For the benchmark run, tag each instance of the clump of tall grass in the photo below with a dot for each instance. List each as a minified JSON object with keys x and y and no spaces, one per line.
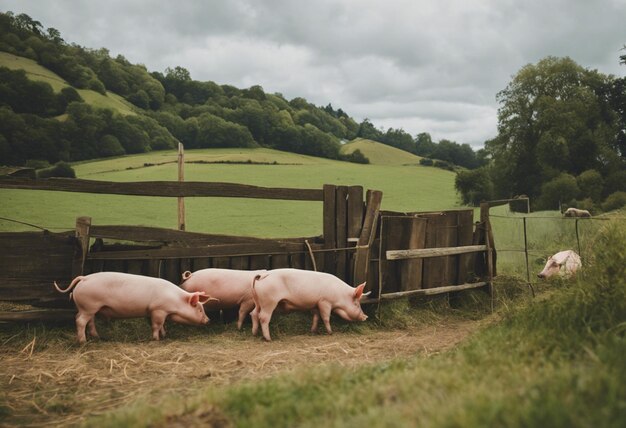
{"x":589,"y":308}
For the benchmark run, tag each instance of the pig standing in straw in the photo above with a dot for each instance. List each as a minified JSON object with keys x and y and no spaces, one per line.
{"x":123,"y":295}
{"x":564,"y":263}
{"x":295,"y":289}
{"x":231,"y":288}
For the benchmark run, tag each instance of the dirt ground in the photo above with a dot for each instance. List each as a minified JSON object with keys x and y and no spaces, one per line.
{"x":63,"y":383}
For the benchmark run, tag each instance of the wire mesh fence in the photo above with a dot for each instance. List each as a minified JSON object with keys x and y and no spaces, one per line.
{"x":525,"y":241}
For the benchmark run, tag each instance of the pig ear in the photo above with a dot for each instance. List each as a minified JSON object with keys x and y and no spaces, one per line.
{"x":358,"y":292}
{"x":193,"y":299}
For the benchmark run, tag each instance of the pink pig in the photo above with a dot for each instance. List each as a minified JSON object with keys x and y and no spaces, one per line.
{"x":568,"y":260}
{"x":122,"y":295}
{"x":231,"y":287}
{"x":295,"y":289}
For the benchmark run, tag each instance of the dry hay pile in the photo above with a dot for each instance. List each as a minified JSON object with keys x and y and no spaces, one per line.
{"x":62,"y":383}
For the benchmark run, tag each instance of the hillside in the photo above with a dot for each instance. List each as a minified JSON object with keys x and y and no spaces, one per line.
{"x":380,"y":154}
{"x":405,"y":188}
{"x":36,"y":72}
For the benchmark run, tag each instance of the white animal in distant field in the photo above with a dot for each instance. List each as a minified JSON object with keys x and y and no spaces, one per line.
{"x":564,"y":263}
{"x":575,"y":212}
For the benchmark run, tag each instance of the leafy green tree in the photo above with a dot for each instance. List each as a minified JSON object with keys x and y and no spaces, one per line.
{"x":614,"y":201}
{"x":368,"y":130}
{"x":60,"y":169}
{"x":591,"y":184}
{"x":561,"y":189}
{"x":424,"y":145}
{"x":110,"y":146}
{"x":553,"y":119}
{"x":474,"y":186}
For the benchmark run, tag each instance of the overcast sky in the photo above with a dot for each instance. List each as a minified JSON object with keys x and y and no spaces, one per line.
{"x":421,"y":65}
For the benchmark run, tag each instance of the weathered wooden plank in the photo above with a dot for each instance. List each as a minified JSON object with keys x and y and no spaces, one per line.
{"x":33,"y":256}
{"x":157,"y":234}
{"x":32,"y":289}
{"x":329,"y":227}
{"x":341,"y":228}
{"x":181,"y":178}
{"x":433,"y":252}
{"x":83,"y":225}
{"x":198,"y":252}
{"x":435,"y":269}
{"x":355,"y":211}
{"x":408,"y":234}
{"x":171,"y":271}
{"x":38,"y":315}
{"x":465,"y":234}
{"x":279,"y":261}
{"x":260,"y":262}
{"x":368,"y":232}
{"x":427,"y":292}
{"x":162,"y":188}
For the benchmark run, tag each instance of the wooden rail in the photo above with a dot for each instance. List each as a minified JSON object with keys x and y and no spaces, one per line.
{"x":163,"y":188}
{"x":433,"y":252}
{"x":426,"y":292}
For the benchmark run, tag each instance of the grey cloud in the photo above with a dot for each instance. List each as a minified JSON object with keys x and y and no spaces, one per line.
{"x":424,"y":66}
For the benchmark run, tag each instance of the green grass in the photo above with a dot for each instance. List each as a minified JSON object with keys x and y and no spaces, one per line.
{"x":380,"y":154}
{"x":405,"y":188}
{"x":553,"y":361}
{"x":37,"y":72}
{"x":547,"y":232}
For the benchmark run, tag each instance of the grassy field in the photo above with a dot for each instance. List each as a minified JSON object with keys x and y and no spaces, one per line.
{"x":35,"y":71}
{"x":405,"y":188}
{"x":555,"y":360}
{"x":379,"y":154}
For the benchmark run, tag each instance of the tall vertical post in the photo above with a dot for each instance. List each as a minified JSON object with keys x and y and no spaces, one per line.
{"x":181,"y":178}
{"x":526,"y":252}
{"x":83,"y":224}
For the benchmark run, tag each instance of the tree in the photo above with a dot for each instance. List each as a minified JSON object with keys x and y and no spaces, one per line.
{"x":474,"y":186}
{"x":368,"y":130}
{"x":590,"y":184}
{"x":424,"y":145}
{"x":561,"y":189}
{"x":553,"y":119}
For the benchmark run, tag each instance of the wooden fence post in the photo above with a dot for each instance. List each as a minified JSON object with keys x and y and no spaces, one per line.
{"x":181,"y":178}
{"x":341,"y":231}
{"x":330,"y":231}
{"x":83,"y":224}
{"x":362,"y":257}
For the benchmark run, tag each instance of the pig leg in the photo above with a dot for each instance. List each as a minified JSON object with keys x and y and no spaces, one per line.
{"x":265,"y":315}
{"x":157,"y":319}
{"x":82,"y":319}
{"x":162,"y":330}
{"x":316,"y":319}
{"x":244,"y":309}
{"x":255,"y":321}
{"x":92,"y":327}
{"x":325,"y":311}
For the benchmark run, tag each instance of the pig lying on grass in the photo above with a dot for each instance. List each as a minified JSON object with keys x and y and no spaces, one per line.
{"x":122,"y":295}
{"x":564,"y":263}
{"x":295,"y":289}
{"x":230,"y":287}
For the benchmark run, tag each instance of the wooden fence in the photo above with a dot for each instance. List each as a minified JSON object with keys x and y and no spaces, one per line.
{"x":427,"y":253}
{"x":399,"y":254}
{"x":32,"y":260}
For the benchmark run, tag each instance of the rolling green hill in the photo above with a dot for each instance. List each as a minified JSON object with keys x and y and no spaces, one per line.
{"x":405,"y":188}
{"x":380,"y":154}
{"x":35,"y":71}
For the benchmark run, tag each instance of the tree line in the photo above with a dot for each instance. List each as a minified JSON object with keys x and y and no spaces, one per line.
{"x":561,"y":140}
{"x":170,"y":105}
